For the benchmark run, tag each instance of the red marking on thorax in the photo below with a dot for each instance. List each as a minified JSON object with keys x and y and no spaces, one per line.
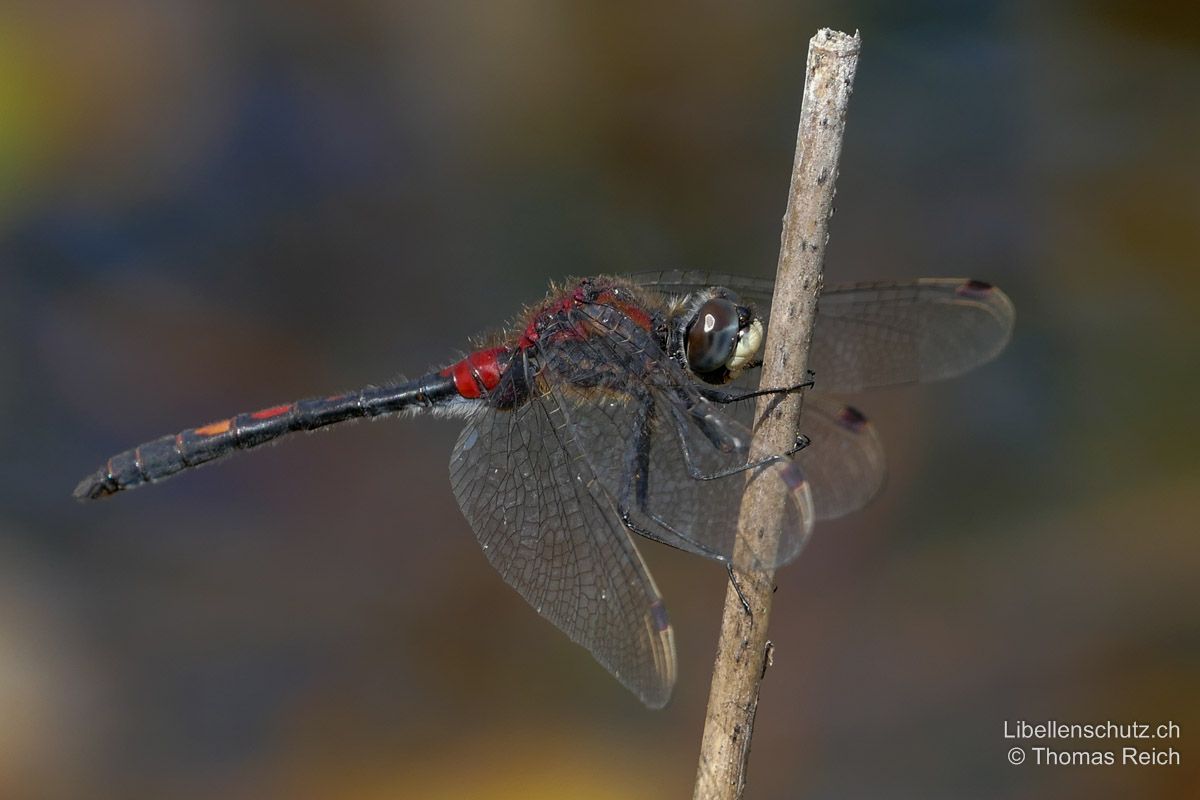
{"x":477,"y":373}
{"x":637,"y":315}
{"x":614,"y":297}
{"x":530,"y":335}
{"x":274,"y":411}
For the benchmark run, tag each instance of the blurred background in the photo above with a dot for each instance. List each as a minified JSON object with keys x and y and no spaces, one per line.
{"x":211,"y":207}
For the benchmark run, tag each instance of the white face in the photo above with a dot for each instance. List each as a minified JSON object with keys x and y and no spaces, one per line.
{"x":748,"y":344}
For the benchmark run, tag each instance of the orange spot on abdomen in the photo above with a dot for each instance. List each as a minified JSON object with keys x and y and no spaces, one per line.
{"x":214,"y":428}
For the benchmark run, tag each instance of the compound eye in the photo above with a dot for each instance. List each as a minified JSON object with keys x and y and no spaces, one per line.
{"x":712,"y":336}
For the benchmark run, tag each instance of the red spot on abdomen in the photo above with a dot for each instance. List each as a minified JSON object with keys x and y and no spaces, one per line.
{"x":477,"y":373}
{"x":274,"y":411}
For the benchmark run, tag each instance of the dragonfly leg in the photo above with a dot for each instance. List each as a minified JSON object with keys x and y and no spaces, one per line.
{"x":681,"y":542}
{"x":801,"y":442}
{"x":719,"y":396}
{"x":633,"y":496}
{"x":737,"y":587}
{"x":635,"y":489}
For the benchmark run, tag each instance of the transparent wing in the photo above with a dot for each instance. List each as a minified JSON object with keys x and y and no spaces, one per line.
{"x":553,"y":534}
{"x":680,"y":281}
{"x":881,"y":334}
{"x":889,"y":333}
{"x":672,"y":462}
{"x":844,"y":462}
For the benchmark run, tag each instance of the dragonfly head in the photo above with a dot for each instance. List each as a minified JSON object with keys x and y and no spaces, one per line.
{"x":721,"y":336}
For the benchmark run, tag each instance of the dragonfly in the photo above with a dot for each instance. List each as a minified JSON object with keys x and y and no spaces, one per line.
{"x":623,"y":407}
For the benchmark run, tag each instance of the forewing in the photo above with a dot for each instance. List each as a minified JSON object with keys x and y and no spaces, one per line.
{"x":552,"y":533}
{"x":681,"y":281}
{"x":881,"y":334}
{"x":889,"y":333}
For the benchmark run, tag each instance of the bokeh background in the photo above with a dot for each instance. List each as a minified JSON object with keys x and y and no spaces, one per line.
{"x":209,"y":207}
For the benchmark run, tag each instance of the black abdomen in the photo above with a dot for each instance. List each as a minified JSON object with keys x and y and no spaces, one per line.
{"x":163,"y":457}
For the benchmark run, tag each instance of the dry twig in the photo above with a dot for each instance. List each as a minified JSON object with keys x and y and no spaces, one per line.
{"x":743,"y":649}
